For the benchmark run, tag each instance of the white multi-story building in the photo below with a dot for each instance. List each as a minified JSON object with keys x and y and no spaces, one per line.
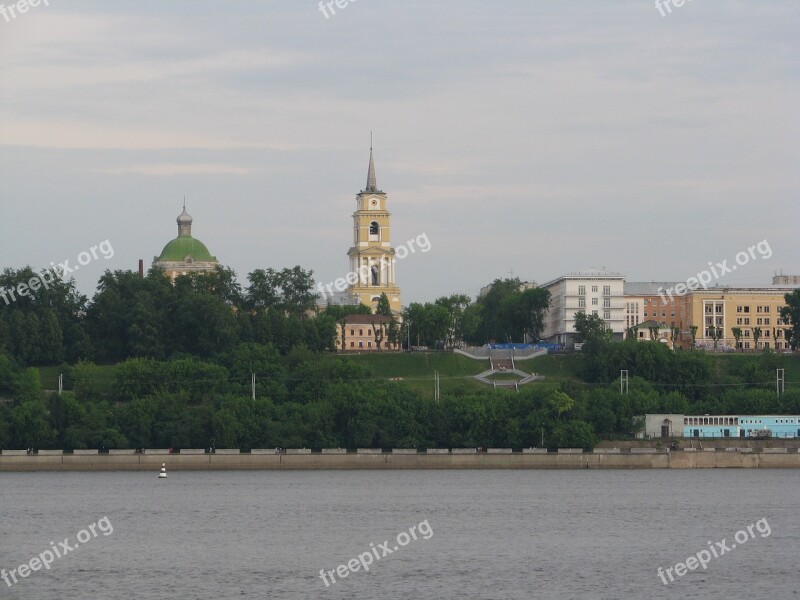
{"x":596,"y":291}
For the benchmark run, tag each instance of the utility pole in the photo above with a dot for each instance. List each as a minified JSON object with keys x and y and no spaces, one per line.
{"x":60,"y":383}
{"x":253,"y":385}
{"x":436,"y":385}
{"x":779,"y":381}
{"x":623,"y":381}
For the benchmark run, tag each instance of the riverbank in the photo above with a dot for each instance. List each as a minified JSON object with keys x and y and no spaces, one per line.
{"x":708,"y":459}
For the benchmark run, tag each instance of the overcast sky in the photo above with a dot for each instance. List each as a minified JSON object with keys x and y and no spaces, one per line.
{"x":526,"y":136}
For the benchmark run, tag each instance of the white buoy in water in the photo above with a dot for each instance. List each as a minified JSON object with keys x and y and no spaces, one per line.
{"x":163,"y":474}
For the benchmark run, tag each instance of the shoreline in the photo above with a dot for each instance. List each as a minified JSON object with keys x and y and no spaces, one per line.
{"x":679,"y":459}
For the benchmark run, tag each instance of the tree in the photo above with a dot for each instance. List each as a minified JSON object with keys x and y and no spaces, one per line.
{"x":456,"y":306}
{"x":498,"y":311}
{"x":737,"y":335}
{"x":289,"y":291}
{"x":716,"y":334}
{"x":674,"y":336}
{"x":532,"y":307}
{"x":756,"y":336}
{"x":383,"y":307}
{"x":591,"y":329}
{"x":791,"y":316}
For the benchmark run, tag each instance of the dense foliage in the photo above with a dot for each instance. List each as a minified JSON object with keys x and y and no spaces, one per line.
{"x":313,"y":400}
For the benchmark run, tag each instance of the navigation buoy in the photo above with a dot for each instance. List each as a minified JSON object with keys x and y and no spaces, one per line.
{"x":163,"y":474}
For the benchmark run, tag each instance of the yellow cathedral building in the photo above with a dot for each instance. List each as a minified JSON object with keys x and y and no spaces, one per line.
{"x":372,"y":257}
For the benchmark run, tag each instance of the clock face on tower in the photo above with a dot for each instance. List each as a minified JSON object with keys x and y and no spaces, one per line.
{"x":373,"y":203}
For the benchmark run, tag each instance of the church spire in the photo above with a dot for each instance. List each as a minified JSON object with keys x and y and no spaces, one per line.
{"x":372,"y":185}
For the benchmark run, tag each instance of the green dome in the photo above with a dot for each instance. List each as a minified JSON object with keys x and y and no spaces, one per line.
{"x":183,"y":246}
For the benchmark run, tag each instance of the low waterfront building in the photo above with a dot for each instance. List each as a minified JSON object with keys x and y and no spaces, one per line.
{"x":722,"y":426}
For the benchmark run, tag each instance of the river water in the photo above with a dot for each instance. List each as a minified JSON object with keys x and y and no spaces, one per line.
{"x":479,"y":534}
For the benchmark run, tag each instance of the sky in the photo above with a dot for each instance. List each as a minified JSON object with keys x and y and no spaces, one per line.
{"x":525,"y":138}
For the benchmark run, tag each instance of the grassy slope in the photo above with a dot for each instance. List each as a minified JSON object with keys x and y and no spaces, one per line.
{"x":417,"y":369}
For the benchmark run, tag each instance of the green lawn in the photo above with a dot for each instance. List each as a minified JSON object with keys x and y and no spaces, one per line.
{"x":104,"y":379}
{"x":417,"y":368}
{"x":555,"y":367}
{"x":455,"y":371}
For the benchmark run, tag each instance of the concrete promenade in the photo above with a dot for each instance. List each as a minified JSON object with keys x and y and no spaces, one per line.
{"x":566,"y":459}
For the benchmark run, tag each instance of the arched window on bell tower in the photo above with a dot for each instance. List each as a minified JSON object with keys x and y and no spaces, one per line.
{"x":374,"y":232}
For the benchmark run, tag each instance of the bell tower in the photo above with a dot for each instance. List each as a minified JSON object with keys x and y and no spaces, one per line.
{"x":372,"y":256}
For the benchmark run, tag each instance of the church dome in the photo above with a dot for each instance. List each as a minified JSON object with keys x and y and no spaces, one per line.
{"x":186,"y":247}
{"x":184,"y":217}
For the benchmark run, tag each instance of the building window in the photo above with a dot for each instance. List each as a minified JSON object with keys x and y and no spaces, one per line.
{"x":581,"y":302}
{"x":606,"y":303}
{"x":581,"y":290}
{"x":747,"y":320}
{"x":607,"y":290}
{"x":738,"y":309}
{"x":594,"y":301}
{"x":360,"y":332}
{"x":374,"y":232}
{"x":360,"y":344}
{"x":376,"y":275}
{"x":352,"y":344}
{"x":758,"y":309}
{"x":594,"y":312}
{"x":766,"y":321}
{"x":594,"y":289}
{"x":747,"y":309}
{"x":607,"y":314}
{"x":766,"y":309}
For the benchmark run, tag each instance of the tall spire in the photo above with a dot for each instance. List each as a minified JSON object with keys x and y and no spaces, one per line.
{"x":372,"y":185}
